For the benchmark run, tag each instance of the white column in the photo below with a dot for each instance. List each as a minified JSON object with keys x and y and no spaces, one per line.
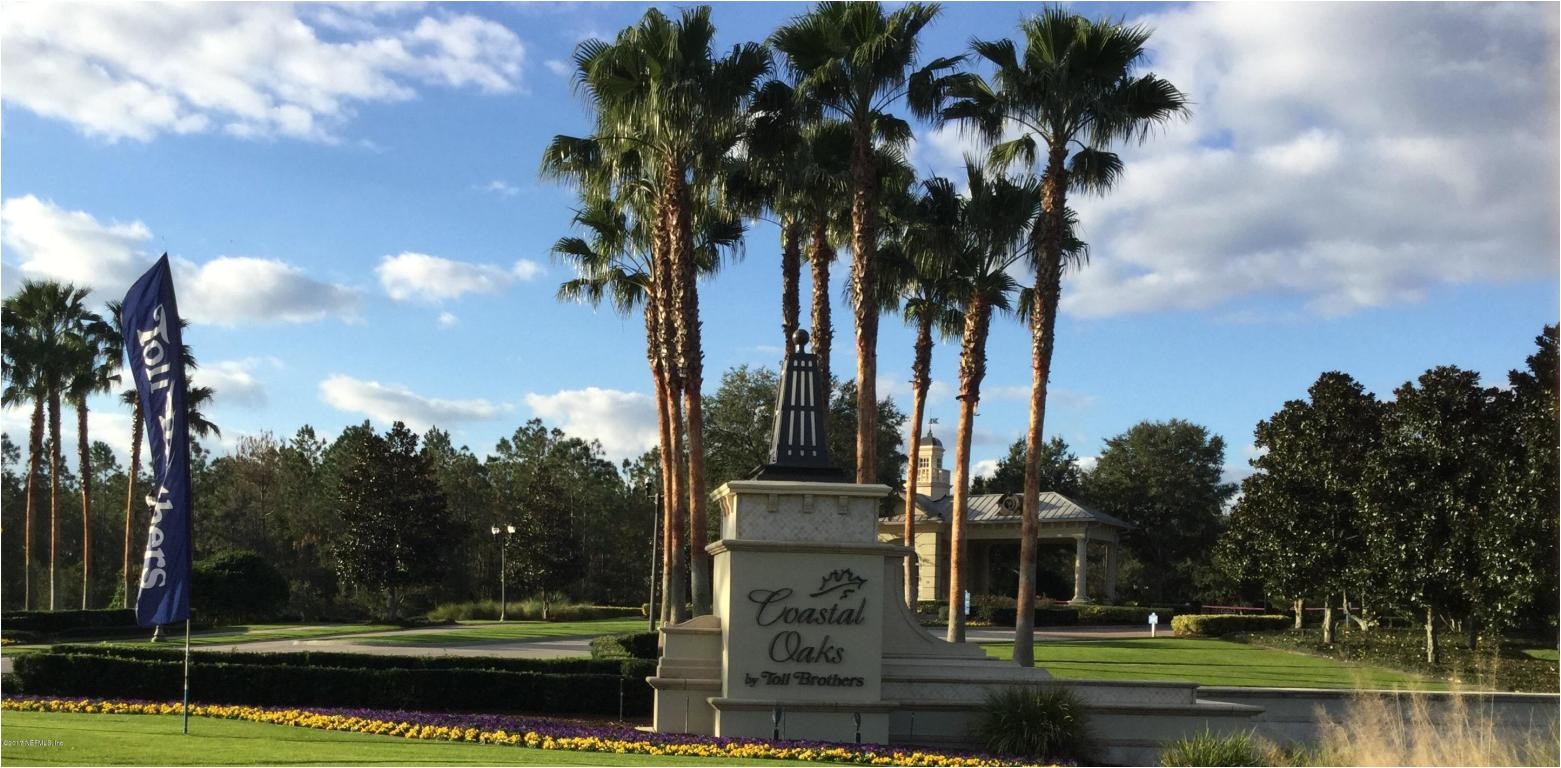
{"x":1081,"y":569}
{"x":1111,"y":571}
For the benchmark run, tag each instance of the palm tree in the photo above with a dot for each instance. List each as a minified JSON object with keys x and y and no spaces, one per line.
{"x":1072,"y":94}
{"x":993,"y":224}
{"x":43,"y":316}
{"x":24,"y":383}
{"x":98,"y":348}
{"x":614,"y":263}
{"x":853,"y":62}
{"x":929,"y":294}
{"x":659,"y":91}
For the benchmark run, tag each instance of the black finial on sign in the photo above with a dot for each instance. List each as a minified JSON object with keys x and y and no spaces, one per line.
{"x":798,"y":449}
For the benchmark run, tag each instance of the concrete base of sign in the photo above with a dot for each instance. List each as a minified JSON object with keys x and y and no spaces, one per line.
{"x":810,"y":639}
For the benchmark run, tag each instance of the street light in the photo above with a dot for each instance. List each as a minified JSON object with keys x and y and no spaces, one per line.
{"x":508,"y":531}
{"x":655,"y":530}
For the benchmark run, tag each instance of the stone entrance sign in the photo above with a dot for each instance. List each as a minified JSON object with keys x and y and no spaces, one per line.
{"x":810,"y":637}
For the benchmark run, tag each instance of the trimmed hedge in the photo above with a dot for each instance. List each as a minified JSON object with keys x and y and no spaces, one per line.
{"x":1122,"y":615}
{"x":619,"y":666}
{"x":1212,"y":625}
{"x":61,"y":621}
{"x":632,"y":645}
{"x":419,"y":682}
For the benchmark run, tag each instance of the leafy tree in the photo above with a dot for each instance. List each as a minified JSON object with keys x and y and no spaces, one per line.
{"x":1059,"y":470}
{"x":854,"y":62}
{"x":1529,"y":488}
{"x":394,"y":515}
{"x":1298,"y":524}
{"x":1073,"y":90}
{"x":1164,"y":477}
{"x":1429,"y":490}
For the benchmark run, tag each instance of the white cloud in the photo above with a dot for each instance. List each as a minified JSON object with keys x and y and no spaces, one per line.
{"x":1339,"y":157}
{"x":72,"y":246}
{"x":237,"y":290}
{"x":624,"y":422}
{"x":501,"y":188}
{"x":387,"y":403}
{"x":55,"y":243}
{"x":252,"y":70}
{"x":984,"y":468}
{"x":448,"y":320}
{"x":410,"y":275}
{"x":234,"y":382}
{"x":559,"y":67}
{"x":526,"y":270}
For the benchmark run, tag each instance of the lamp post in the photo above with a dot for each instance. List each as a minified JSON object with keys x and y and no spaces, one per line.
{"x":655,"y":538}
{"x":508,"y":531}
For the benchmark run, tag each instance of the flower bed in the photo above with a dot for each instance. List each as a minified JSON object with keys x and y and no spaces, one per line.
{"x":534,"y":732}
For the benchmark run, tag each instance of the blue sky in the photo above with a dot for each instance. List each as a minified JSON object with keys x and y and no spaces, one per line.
{"x":351,"y":196}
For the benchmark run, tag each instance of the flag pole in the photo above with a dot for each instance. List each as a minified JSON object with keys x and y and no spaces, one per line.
{"x":186,"y":675}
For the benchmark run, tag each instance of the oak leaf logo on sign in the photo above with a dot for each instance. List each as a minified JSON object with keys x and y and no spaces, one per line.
{"x":843,"y":581}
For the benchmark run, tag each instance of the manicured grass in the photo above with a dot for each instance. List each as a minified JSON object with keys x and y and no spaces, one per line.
{"x":1543,"y":654}
{"x":231,"y":635}
{"x":477,"y":632}
{"x":251,"y":633}
{"x":155,"y":740}
{"x":1207,"y":662}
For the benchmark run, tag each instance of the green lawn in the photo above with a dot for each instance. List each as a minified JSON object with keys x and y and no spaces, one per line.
{"x":1543,"y":654}
{"x":474,"y":632}
{"x":155,"y":740}
{"x":231,"y":635}
{"x":1207,"y":662}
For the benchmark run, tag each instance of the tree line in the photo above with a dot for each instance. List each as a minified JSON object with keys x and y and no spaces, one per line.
{"x":1439,"y":503}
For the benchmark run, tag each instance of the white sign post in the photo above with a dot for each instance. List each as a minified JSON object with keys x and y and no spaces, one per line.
{"x":1154,"y":618}
{"x":967,"y":602}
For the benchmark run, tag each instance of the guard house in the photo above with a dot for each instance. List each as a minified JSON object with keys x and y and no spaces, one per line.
{"x":992,"y":532}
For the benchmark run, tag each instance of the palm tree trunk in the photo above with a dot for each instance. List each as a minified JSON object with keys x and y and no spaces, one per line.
{"x":84,"y":454}
{"x":672,"y":220}
{"x":972,"y":369}
{"x":1043,"y":328}
{"x":864,"y":251}
{"x":678,"y":504}
{"x":920,"y":379}
{"x":691,"y":360}
{"x":791,"y":277}
{"x":822,"y":253}
{"x":668,"y":495}
{"x":130,"y":496}
{"x":55,"y":462}
{"x":34,"y":459}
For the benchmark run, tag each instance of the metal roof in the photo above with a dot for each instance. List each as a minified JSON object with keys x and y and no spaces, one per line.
{"x":990,"y":509}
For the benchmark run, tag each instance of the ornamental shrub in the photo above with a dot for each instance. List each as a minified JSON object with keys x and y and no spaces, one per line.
{"x":1206,"y":749}
{"x":1210,"y":625}
{"x":1034,"y":721}
{"x":1045,"y":616}
{"x":530,"y":610}
{"x":238,"y":586}
{"x":1122,"y":615}
{"x":632,"y":645}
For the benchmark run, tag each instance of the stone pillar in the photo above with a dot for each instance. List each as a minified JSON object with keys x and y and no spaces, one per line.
{"x":1111,"y":571}
{"x":1081,"y":569}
